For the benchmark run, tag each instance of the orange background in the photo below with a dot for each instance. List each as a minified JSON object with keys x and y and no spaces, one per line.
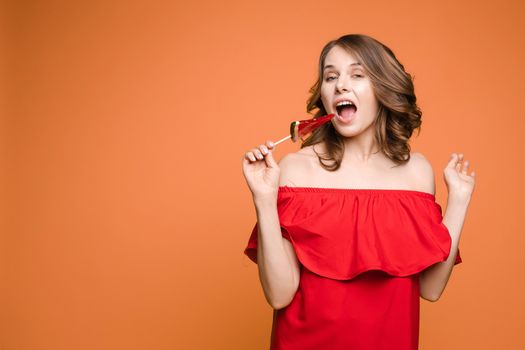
{"x":125,"y":209}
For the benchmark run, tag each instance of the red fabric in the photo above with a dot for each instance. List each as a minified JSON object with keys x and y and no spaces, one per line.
{"x":360,"y":252}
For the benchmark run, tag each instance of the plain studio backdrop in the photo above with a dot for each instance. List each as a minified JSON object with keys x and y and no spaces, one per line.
{"x":124,"y":210}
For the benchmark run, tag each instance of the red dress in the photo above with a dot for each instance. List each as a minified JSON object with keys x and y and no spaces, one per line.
{"x":360,"y":254}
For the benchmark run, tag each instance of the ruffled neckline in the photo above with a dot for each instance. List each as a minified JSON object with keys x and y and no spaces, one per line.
{"x":340,"y":233}
{"x":390,"y":191}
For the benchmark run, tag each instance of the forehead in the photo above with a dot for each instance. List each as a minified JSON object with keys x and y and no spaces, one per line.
{"x":339,"y":57}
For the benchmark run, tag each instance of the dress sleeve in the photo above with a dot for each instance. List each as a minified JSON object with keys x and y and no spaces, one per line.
{"x":251,"y":248}
{"x":440,"y":216}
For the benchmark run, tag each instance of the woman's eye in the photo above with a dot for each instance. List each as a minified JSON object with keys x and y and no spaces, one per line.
{"x":334,"y":77}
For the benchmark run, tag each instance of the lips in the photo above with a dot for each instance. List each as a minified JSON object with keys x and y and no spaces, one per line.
{"x":346,"y":114}
{"x":346,"y":109}
{"x":341,"y":99}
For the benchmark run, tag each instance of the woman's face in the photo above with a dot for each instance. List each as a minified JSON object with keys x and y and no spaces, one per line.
{"x":345,"y":79}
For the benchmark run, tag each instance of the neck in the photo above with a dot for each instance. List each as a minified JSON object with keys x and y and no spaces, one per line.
{"x":362,"y":148}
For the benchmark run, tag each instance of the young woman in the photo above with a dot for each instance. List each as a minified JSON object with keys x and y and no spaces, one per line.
{"x":348,"y":234}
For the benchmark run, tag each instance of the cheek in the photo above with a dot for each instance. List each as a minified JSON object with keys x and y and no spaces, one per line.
{"x":325,"y":96}
{"x":324,"y":99}
{"x":323,"y":93}
{"x":366,"y":93}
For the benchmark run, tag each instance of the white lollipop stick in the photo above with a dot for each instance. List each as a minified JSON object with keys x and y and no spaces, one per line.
{"x":281,"y":140}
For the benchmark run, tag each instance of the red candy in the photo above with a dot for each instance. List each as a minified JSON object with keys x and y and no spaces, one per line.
{"x":301,"y":128}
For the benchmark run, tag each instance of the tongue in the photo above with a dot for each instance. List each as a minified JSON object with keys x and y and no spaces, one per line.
{"x":347,"y":112}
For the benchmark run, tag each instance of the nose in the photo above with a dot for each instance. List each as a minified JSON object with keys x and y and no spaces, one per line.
{"x":341,"y":85}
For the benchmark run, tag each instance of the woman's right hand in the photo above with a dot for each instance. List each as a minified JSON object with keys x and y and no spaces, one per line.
{"x":261,"y":171}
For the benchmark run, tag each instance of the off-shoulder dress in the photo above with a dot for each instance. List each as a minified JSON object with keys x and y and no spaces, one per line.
{"x":360,"y":253}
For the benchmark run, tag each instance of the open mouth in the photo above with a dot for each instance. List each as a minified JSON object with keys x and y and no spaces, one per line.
{"x":346,"y":111}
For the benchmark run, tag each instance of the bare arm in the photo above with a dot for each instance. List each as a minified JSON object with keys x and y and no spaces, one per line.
{"x":460,"y":186}
{"x":276,"y":259}
{"x":434,"y":279}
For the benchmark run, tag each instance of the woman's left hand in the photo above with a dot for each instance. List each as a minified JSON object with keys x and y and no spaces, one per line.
{"x":460,"y":185}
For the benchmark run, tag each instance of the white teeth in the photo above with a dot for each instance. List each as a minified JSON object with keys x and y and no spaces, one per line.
{"x":342,"y":103}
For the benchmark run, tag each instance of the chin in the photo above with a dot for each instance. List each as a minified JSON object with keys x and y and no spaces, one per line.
{"x":346,"y":126}
{"x":347,"y":130}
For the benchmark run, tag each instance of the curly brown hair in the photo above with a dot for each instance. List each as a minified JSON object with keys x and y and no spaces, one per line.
{"x":398,"y":114}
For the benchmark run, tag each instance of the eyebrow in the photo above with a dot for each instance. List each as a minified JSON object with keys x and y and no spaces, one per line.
{"x":351,"y":64}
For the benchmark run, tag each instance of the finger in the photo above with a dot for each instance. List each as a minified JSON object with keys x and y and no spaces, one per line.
{"x":459,"y":163}
{"x":452,"y":161}
{"x":270,"y":161}
{"x":270,"y":144}
{"x":250,"y":156}
{"x":465,"y":167}
{"x":263,"y":149}
{"x":257,"y":153}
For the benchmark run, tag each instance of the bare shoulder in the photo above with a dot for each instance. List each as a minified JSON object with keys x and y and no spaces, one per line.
{"x":294,"y":166}
{"x":421,"y":173}
{"x":419,"y":161}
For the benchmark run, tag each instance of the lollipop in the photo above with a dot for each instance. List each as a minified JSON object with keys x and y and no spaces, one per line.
{"x":300,"y":128}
